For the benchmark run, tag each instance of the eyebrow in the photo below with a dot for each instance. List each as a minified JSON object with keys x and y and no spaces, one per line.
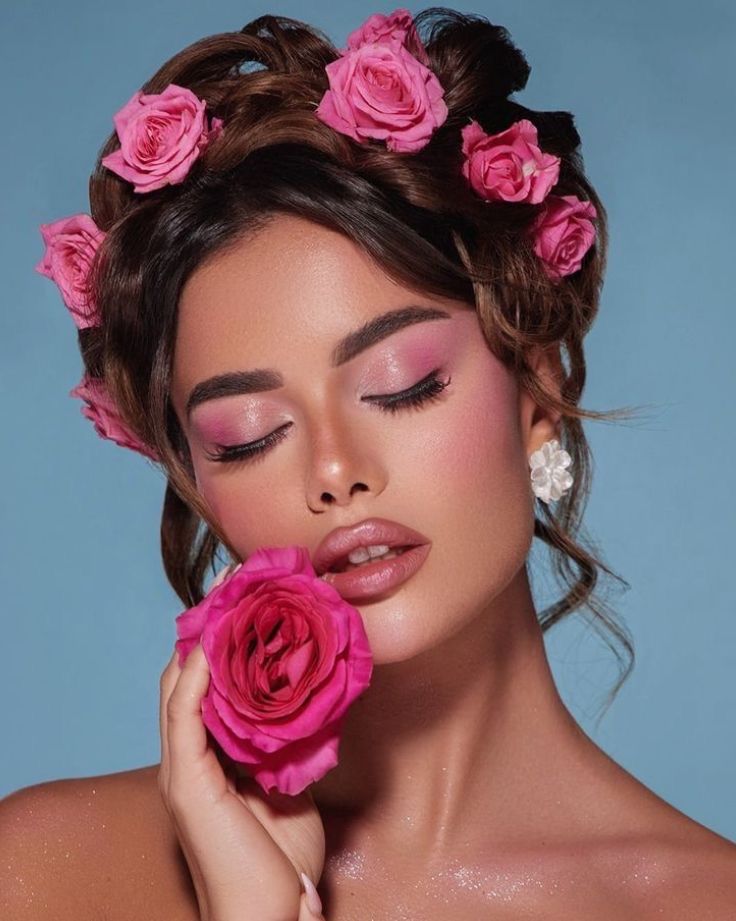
{"x":258,"y":380}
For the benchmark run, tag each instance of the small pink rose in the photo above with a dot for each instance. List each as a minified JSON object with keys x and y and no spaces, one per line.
{"x":100,"y":409}
{"x":287,"y":656}
{"x":397,"y":27}
{"x":381,"y":91}
{"x":161,"y":135}
{"x":508,"y":166}
{"x":563,"y":233}
{"x":71,"y":245}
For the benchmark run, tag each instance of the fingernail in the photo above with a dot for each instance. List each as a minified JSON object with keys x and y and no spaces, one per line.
{"x":314,"y":902}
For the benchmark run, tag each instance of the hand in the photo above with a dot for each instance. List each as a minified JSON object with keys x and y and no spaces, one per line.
{"x":245,"y":849}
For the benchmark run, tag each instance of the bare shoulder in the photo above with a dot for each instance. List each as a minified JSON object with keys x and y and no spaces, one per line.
{"x":95,"y":847}
{"x":663,"y":863}
{"x":687,"y":873}
{"x":702,"y":868}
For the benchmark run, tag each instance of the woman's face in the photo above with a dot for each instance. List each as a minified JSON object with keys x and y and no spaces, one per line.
{"x":453,"y":468}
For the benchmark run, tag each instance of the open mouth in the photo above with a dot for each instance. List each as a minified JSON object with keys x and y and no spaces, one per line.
{"x":376,"y":579}
{"x":344,"y":565}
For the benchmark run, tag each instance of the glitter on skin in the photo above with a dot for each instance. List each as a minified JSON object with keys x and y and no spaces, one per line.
{"x":461,"y":886}
{"x":348,"y":864}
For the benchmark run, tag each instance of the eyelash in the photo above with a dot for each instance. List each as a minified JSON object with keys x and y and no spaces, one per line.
{"x":425,"y":391}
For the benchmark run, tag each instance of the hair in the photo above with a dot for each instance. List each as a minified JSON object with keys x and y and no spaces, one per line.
{"x":416,"y":216}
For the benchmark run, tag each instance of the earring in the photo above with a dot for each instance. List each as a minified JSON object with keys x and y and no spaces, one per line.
{"x":550,"y":479}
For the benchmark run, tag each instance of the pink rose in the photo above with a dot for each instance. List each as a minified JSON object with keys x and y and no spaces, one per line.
{"x":563,"y":234}
{"x":161,"y":135}
{"x":398,"y":27}
{"x":508,"y":166}
{"x":100,"y":409}
{"x":382,"y":91}
{"x":287,"y":656}
{"x":71,"y":245}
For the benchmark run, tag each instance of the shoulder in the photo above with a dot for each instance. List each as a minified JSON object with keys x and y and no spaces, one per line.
{"x":662,"y":863}
{"x":703,"y":878}
{"x":686,"y":874}
{"x":90,"y":847}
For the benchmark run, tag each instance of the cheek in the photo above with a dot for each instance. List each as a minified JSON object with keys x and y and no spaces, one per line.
{"x":263,"y":506}
{"x":239,"y":511}
{"x":482,"y":499}
{"x":478,"y":446}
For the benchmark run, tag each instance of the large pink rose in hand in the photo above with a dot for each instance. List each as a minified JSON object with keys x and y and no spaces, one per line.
{"x":287,"y":656}
{"x":380,"y":90}
{"x":71,"y":246}
{"x":161,"y":135}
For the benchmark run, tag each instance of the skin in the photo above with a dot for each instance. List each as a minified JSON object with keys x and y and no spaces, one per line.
{"x":461,"y":751}
{"x":464,"y":788}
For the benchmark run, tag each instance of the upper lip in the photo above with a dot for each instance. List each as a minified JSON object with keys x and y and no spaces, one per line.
{"x":370,"y":532}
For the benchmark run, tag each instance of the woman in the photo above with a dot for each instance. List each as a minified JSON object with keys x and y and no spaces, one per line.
{"x":409,"y":261}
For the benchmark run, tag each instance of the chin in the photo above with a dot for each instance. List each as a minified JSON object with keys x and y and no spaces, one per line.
{"x":398,"y":631}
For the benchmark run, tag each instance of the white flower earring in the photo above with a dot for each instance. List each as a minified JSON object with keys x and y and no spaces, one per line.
{"x":550,"y":479}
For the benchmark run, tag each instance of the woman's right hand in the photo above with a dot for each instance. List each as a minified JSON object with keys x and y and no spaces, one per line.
{"x":245,"y":849}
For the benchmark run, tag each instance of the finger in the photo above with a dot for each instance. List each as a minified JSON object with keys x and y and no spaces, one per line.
{"x":186,"y":733}
{"x":310,"y":904}
{"x":166,"y":686}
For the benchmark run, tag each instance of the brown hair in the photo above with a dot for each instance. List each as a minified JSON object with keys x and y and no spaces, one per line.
{"x":415,"y":215}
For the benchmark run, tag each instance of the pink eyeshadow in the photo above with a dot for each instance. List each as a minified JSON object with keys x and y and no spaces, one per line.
{"x":418,"y":353}
{"x":226,"y":427}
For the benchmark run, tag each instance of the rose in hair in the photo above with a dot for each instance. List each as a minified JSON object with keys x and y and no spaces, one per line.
{"x":287,"y":656}
{"x":161,"y":135}
{"x":101,"y":410}
{"x":395,"y":27}
{"x":381,"y":91}
{"x":71,"y":245}
{"x":563,"y":233}
{"x":508,"y":166}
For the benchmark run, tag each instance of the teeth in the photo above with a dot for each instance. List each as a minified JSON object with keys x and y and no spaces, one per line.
{"x":389,"y":554}
{"x":362,"y":554}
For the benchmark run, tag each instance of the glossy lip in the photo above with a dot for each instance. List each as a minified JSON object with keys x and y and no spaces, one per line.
{"x":378,"y":578}
{"x":369,"y":532}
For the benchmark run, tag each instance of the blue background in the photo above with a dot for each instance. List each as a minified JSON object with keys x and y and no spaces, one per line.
{"x":87,"y":615}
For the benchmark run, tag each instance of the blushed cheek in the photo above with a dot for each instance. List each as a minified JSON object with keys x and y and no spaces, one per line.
{"x":216,"y":493}
{"x":245,"y":514}
{"x":487,"y":507}
{"x":480,"y":438}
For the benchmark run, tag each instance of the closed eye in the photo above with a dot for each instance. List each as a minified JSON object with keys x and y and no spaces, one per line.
{"x":427,"y":390}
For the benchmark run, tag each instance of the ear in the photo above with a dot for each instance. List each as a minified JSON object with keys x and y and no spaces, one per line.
{"x":538,"y":423}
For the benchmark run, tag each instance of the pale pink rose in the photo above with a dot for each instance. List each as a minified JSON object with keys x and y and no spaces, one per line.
{"x":100,"y":409}
{"x":563,"y":233}
{"x":71,"y":245}
{"x":287,"y":657}
{"x":397,"y":27}
{"x":381,"y":91}
{"x":508,"y":166}
{"x":161,"y":135}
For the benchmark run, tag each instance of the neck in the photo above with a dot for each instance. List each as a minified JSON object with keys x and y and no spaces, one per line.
{"x":464,"y":741}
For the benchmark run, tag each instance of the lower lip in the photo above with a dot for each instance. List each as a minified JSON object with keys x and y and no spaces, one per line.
{"x":377,"y":578}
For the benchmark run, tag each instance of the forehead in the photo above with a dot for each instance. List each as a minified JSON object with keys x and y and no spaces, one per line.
{"x":290,"y":291}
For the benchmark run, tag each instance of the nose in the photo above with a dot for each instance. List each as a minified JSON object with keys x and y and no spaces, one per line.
{"x":341,"y":465}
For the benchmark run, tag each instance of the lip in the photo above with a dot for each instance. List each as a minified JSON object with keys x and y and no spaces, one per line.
{"x":379,"y":577}
{"x":369,"y":532}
